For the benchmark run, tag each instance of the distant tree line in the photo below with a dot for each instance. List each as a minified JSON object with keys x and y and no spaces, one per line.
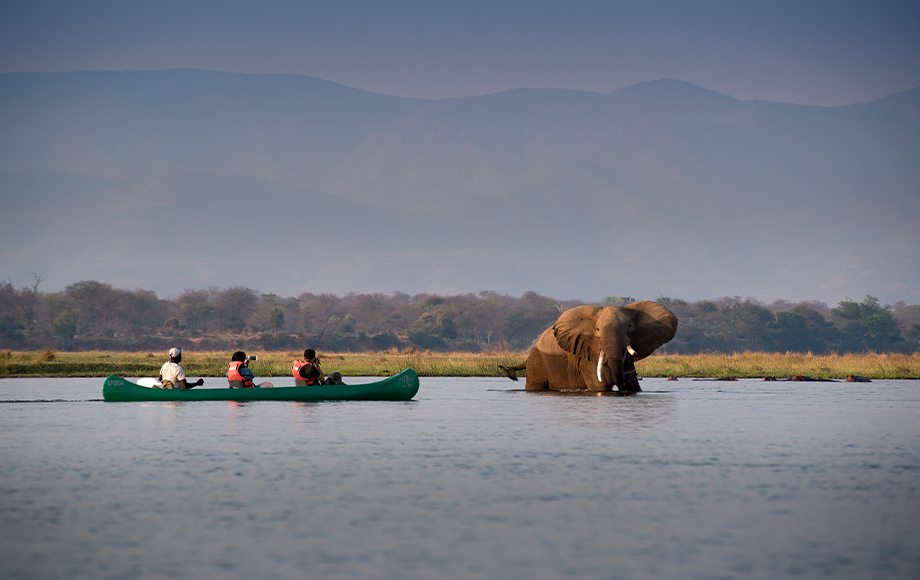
{"x":91,"y":315}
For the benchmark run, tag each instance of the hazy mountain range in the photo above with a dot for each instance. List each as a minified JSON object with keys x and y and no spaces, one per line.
{"x":177,"y":179}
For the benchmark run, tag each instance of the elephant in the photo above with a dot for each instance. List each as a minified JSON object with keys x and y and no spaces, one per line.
{"x":594,"y":348}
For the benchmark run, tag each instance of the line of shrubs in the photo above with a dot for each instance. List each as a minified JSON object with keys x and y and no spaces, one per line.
{"x":91,"y":315}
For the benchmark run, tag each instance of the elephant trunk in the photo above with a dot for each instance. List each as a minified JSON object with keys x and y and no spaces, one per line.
{"x":624,"y":374}
{"x":628,"y":374}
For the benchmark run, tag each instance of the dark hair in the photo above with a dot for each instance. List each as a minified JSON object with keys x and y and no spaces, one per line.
{"x":309,"y":354}
{"x":238,"y":355}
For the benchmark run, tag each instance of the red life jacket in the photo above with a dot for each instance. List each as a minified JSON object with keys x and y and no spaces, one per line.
{"x":238,"y":381}
{"x":299,"y":381}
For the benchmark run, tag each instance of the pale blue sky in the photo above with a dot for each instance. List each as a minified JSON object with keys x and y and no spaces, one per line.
{"x":808,"y":52}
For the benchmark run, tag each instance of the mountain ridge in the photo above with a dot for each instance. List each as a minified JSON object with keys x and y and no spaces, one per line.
{"x":909,"y":93}
{"x":476,"y":193}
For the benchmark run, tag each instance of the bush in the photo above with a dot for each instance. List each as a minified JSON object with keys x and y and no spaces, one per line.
{"x":425,"y":340}
{"x":385,"y":340}
{"x":65,"y":325}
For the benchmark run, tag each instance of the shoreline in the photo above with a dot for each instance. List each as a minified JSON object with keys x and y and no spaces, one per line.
{"x":747,"y":365}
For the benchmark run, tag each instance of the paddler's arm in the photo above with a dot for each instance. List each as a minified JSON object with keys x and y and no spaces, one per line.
{"x":322,"y":378}
{"x":186,"y":385}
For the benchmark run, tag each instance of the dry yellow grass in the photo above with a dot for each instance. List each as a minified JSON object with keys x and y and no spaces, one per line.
{"x":760,"y":364}
{"x":432,"y":364}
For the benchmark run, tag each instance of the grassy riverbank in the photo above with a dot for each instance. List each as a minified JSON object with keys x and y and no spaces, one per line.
{"x":213,"y":364}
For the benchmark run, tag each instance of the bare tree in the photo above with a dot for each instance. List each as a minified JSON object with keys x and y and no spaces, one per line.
{"x":235,"y":304}
{"x":97,"y":301}
{"x":31,"y":299}
{"x":321,"y":309}
{"x":196,"y":309}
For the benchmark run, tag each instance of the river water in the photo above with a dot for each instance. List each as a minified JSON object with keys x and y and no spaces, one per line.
{"x":472,"y":479}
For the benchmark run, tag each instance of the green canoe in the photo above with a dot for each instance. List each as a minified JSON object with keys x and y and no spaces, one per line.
{"x":400,"y":387}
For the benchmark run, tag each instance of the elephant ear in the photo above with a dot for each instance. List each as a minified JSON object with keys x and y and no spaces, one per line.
{"x":575,"y":332}
{"x":655,"y":325}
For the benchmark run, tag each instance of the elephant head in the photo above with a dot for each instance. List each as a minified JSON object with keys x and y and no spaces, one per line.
{"x":612,"y":338}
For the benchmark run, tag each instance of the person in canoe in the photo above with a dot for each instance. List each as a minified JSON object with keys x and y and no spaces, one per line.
{"x":307,"y":372}
{"x":240,"y":375}
{"x":172,"y":375}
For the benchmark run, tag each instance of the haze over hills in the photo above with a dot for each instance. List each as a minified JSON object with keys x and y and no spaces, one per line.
{"x":178,"y":179}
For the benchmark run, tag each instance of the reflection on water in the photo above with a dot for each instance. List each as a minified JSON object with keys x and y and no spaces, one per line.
{"x":604,"y":410}
{"x":470,"y":480}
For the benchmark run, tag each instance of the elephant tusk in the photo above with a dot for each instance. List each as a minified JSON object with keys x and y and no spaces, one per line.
{"x":600,"y":365}
{"x":631,"y":350}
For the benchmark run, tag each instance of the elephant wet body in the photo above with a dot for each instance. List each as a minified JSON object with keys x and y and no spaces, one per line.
{"x":580,"y":373}
{"x":595,"y":348}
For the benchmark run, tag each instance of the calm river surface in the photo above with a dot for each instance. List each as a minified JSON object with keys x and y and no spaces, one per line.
{"x":472,"y":479}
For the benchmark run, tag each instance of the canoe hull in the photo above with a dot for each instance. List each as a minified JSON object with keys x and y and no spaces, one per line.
{"x":400,"y":387}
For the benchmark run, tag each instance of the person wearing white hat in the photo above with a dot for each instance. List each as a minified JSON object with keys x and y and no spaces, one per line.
{"x":173,"y":376}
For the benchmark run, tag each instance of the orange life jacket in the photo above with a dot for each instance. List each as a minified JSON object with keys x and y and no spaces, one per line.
{"x":238,"y":381}
{"x":299,"y":381}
